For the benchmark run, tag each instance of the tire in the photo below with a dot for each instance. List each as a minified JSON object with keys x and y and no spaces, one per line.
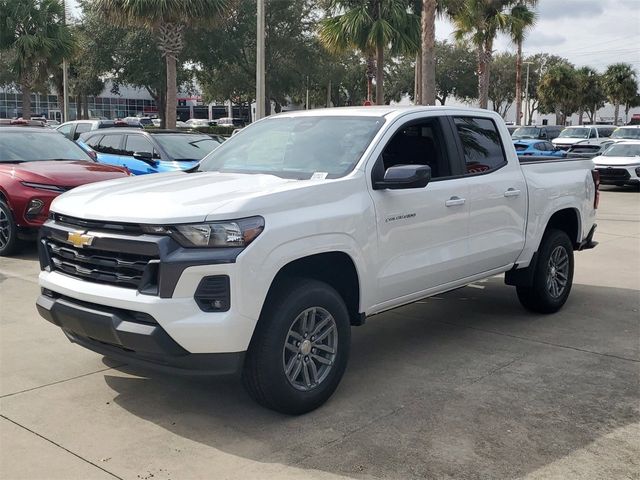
{"x":553,"y":276}
{"x":8,"y":231}
{"x":285,"y":317}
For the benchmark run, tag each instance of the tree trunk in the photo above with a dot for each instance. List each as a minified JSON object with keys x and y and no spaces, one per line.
{"x":371,"y":73}
{"x":616,"y":112}
{"x":417,"y":83}
{"x":78,"y":107}
{"x":172,"y":94}
{"x":329,"y":94}
{"x":380,"y":74}
{"x":85,"y":107}
{"x":580,"y":115}
{"x":26,"y":101}
{"x":519,"y":84}
{"x":484,"y":73}
{"x":428,"y":52}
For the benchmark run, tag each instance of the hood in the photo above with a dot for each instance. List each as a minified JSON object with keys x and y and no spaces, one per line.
{"x":62,"y":173}
{"x":615,"y":161}
{"x":164,"y":198}
{"x":567,"y":140}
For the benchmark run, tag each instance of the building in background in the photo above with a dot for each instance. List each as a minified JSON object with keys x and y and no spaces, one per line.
{"x":129,"y":102}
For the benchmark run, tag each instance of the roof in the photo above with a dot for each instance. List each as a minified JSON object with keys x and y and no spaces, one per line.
{"x":529,"y":141}
{"x":28,"y":128}
{"x":388,"y":111}
{"x":138,"y":130}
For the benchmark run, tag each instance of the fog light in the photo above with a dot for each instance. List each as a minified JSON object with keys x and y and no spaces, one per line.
{"x":34,"y":207}
{"x":212,"y":294}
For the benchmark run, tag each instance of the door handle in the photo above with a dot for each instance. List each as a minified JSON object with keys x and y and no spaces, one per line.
{"x":453,"y":201}
{"x":512,"y":192}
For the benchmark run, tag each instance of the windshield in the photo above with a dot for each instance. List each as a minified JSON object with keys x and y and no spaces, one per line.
{"x":574,"y":133}
{"x":626,"y":133}
{"x":526,"y":132}
{"x":623,"y":150}
{"x":29,"y":146}
{"x":296,"y":147}
{"x":186,"y":147}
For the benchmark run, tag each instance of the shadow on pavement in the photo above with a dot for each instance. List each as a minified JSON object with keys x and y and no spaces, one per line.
{"x":465,"y":385}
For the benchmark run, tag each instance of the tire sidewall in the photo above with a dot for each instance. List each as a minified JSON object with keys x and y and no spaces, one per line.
{"x":552,"y":240}
{"x":277,"y":321}
{"x":13,"y":233}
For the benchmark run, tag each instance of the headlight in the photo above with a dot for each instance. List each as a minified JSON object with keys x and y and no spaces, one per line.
{"x":43,"y":186}
{"x":234,"y":233}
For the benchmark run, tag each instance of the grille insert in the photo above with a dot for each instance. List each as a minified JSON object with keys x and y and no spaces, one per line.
{"x":115,"y":268}
{"x":614,"y":174}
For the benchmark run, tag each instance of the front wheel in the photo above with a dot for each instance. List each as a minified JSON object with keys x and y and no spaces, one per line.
{"x":553,"y":276}
{"x":8,"y":231}
{"x":300,"y":348}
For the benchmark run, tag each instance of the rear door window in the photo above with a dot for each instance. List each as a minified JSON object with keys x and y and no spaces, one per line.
{"x":481,"y":144}
{"x":94,"y":141}
{"x":81,"y":128}
{"x":110,"y":144}
{"x":137,"y":143}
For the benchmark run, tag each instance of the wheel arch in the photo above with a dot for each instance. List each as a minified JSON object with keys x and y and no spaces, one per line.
{"x":336,"y":268}
{"x":567,"y":220}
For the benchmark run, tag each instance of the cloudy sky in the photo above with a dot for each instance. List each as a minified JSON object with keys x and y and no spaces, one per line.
{"x":587,"y":32}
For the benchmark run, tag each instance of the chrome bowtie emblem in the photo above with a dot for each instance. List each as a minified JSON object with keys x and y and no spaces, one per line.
{"x":80,"y":239}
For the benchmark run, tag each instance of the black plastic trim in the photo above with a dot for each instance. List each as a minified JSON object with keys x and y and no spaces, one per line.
{"x":105,"y":331}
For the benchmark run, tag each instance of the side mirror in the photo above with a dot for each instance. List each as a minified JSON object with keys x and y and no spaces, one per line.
{"x":146,"y":157}
{"x":404,"y":176}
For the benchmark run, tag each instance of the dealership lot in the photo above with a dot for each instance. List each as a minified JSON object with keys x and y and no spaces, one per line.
{"x":464,"y":385}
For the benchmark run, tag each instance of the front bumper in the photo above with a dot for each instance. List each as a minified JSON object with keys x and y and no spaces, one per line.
{"x":167,"y":278}
{"x":131,"y":337}
{"x":618,"y":175}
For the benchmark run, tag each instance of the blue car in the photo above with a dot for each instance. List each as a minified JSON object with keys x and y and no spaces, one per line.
{"x":152,"y":151}
{"x":537,"y":148}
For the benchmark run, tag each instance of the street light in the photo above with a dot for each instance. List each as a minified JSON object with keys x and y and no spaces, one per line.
{"x":260,"y":63}
{"x":65,"y":77}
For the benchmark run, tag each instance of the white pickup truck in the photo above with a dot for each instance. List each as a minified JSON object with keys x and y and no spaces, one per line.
{"x":301,"y":226}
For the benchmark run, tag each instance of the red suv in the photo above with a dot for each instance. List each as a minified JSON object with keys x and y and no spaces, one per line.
{"x":37,"y":165}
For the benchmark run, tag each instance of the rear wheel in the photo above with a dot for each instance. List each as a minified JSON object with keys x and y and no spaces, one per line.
{"x":8,"y":231}
{"x":553,"y":276}
{"x":299,"y":351}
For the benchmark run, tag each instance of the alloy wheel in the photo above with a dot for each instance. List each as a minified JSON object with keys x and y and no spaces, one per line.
{"x":310,"y":348}
{"x":558,"y":271}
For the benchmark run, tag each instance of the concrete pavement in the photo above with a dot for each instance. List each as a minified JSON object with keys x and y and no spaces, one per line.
{"x":464,"y":385}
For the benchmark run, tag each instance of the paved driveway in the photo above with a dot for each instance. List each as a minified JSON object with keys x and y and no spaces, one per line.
{"x":464,"y":385}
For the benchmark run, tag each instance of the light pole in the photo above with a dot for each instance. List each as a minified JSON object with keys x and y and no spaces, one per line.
{"x":526,"y":96}
{"x":65,"y":77}
{"x":260,"y":63}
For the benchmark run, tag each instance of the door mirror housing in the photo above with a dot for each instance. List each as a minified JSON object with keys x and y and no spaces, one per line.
{"x":404,"y":176}
{"x":146,"y":157}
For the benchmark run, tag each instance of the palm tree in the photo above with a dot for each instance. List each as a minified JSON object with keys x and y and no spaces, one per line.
{"x":168,"y":20}
{"x":371,"y":26}
{"x":479,"y":21}
{"x":35,"y":39}
{"x":428,"y":52}
{"x":620,"y":85}
{"x":521,"y":19}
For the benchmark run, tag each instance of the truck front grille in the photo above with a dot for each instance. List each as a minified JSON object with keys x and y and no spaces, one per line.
{"x":613,"y":174}
{"x":115,"y":268}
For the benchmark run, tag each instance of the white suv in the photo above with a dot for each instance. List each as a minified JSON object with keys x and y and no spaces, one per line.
{"x":584,"y":135}
{"x":620,"y":164}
